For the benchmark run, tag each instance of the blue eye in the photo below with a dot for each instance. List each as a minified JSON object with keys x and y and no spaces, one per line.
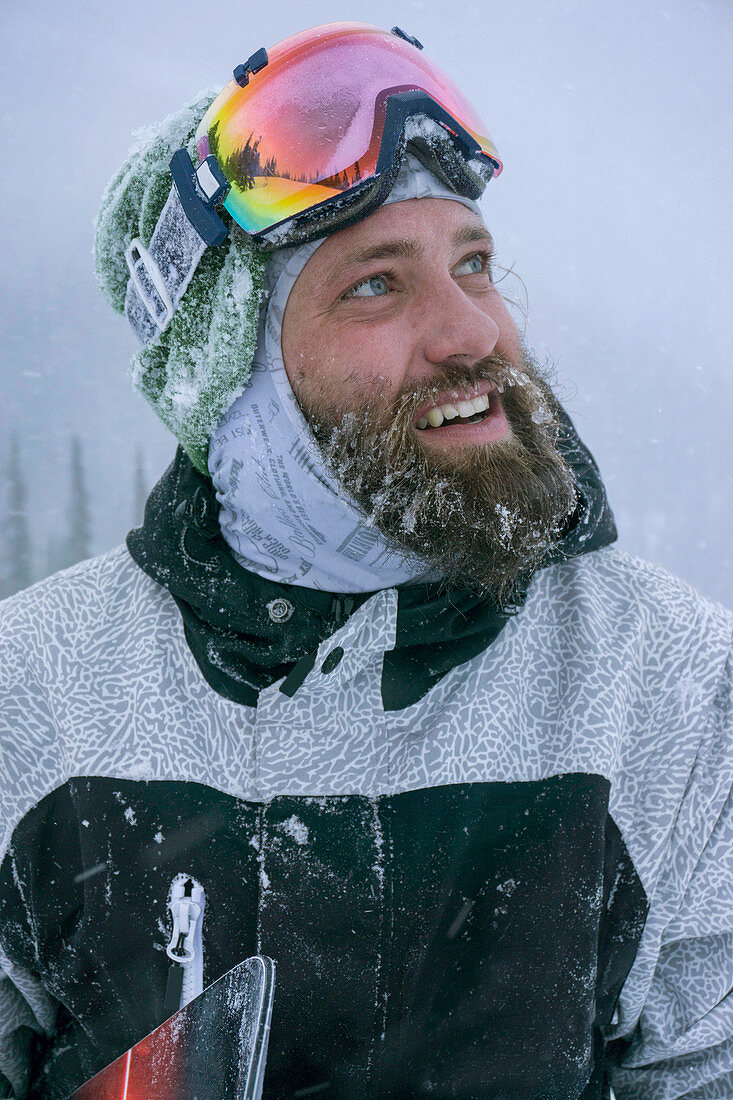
{"x":477,"y":261}
{"x":377,"y":283}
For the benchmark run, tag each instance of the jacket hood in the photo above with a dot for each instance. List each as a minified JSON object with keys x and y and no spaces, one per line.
{"x":246,"y":631}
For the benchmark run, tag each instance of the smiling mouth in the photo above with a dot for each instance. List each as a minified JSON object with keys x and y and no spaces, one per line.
{"x":463,"y":410}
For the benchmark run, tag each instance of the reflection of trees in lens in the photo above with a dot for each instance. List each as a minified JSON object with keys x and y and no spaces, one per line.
{"x":214,"y":139}
{"x":342,"y":181}
{"x":243,"y":166}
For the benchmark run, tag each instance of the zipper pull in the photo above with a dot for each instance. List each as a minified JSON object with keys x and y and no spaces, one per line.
{"x":185,"y":976}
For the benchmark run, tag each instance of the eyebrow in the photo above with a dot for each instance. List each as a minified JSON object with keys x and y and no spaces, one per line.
{"x":402,"y":248}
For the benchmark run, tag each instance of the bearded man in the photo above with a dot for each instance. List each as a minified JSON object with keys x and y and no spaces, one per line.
{"x":370,"y":693}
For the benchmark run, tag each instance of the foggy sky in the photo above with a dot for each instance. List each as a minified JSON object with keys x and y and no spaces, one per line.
{"x":614,"y":123}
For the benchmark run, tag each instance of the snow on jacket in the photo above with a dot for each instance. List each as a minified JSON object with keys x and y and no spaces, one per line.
{"x":517,"y":886}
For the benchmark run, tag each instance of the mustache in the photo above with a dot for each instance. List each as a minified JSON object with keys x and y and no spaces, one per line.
{"x":452,"y":376}
{"x":527,"y":397}
{"x":525,"y":393}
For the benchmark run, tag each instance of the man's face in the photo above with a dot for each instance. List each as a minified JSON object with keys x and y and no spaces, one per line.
{"x":412,"y":375}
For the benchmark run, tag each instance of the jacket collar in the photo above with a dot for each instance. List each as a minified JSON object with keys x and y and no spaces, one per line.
{"x":246,"y":632}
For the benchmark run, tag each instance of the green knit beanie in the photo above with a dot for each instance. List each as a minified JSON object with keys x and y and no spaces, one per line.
{"x":196,"y":369}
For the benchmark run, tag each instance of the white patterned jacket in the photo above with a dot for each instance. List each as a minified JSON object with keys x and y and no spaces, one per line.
{"x":519,"y":886}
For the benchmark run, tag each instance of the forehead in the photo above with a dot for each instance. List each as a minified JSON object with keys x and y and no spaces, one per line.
{"x":412,"y":228}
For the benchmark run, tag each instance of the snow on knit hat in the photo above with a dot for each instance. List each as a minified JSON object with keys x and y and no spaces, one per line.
{"x":193,"y":371}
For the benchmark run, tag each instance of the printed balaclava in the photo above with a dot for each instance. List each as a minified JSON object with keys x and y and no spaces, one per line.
{"x":283,"y":513}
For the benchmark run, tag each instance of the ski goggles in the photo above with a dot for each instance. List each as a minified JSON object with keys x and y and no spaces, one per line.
{"x":306,"y":139}
{"x":310,"y":133}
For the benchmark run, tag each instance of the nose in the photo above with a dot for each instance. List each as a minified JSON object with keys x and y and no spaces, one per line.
{"x":454,"y":326}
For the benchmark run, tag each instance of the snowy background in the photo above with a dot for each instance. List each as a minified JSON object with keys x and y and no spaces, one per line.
{"x":614,"y":124}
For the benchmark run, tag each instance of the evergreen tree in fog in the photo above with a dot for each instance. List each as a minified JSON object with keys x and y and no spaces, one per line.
{"x":54,"y":555}
{"x":78,"y":535}
{"x":139,"y":489}
{"x":16,"y":544}
{"x":75,"y":543}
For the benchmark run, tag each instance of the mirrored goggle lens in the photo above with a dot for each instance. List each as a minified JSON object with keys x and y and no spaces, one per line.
{"x":309,"y":126}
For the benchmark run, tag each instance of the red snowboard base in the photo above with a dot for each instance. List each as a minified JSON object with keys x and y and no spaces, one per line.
{"x":212,"y":1049}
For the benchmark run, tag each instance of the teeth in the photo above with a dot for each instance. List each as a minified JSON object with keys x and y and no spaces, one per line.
{"x":435,"y":416}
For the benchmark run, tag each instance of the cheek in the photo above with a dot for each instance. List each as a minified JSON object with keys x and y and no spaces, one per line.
{"x":307,"y":357}
{"x":298,"y":341}
{"x":338,"y":364}
{"x":510,"y":340}
{"x":313,"y":361}
{"x":299,"y":357}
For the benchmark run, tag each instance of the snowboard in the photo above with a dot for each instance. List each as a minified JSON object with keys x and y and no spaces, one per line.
{"x":214,"y":1048}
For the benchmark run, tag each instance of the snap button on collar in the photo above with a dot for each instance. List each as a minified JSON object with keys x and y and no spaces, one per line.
{"x":280,"y":610}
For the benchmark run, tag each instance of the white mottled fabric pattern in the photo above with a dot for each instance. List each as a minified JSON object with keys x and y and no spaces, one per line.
{"x":283,"y":514}
{"x":613,"y":667}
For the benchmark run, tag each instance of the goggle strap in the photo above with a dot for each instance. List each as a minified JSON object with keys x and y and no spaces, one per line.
{"x":160,"y":273}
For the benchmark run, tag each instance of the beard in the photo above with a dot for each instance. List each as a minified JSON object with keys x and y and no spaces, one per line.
{"x":480,"y":516}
